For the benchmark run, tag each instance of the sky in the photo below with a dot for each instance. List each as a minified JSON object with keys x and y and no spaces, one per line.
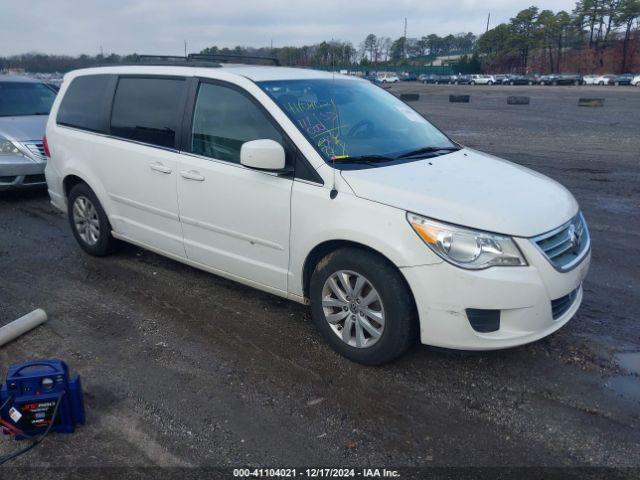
{"x":161,"y":26}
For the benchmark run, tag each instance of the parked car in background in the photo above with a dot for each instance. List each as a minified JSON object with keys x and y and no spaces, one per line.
{"x":482,"y":80}
{"x":24,"y":107}
{"x":499,"y":78}
{"x":388,"y":78}
{"x":434,"y":79}
{"x":460,"y":79}
{"x":636,"y":81}
{"x":624,"y":79}
{"x":561,"y":79}
{"x":408,"y":77}
{"x":520,"y":80}
{"x":598,"y":79}
{"x":428,"y":78}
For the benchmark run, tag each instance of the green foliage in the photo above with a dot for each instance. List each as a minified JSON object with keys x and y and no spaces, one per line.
{"x":592,"y":22}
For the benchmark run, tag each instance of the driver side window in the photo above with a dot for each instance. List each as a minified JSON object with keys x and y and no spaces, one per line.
{"x":224,"y":119}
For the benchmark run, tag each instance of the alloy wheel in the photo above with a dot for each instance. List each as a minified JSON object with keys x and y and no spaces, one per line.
{"x":353,"y":308}
{"x":86,"y":221}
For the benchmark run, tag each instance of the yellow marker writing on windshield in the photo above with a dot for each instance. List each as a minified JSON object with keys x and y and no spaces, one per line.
{"x":339,"y":157}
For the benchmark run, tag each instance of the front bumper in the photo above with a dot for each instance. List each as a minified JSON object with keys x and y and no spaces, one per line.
{"x":18,"y":171}
{"x":443,"y":293}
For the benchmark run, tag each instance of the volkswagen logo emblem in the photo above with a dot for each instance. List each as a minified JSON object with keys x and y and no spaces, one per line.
{"x":574,"y":239}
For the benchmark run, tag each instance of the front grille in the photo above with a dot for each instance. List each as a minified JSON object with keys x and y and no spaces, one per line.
{"x":36,"y":149}
{"x":8,"y":179}
{"x":567,"y":245}
{"x":34,"y":179}
{"x":560,"y":306}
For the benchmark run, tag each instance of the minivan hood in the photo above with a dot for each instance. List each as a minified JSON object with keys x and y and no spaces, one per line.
{"x":472,"y":189}
{"x":23,"y":128}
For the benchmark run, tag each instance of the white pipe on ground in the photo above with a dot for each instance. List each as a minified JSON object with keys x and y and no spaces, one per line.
{"x":22,"y":325}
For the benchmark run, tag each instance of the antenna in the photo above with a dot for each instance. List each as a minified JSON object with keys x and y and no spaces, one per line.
{"x":185,"y":48}
{"x":488,"y":18}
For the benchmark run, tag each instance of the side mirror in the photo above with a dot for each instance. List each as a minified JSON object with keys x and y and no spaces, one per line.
{"x":263,"y":154}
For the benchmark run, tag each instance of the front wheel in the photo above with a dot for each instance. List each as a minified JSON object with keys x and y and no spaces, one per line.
{"x":489,"y":82}
{"x":362,"y":306}
{"x":89,"y":222}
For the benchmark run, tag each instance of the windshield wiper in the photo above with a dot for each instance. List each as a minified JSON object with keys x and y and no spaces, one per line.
{"x":424,"y":150}
{"x":363,"y":158}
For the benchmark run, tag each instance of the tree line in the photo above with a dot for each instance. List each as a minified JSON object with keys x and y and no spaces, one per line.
{"x":596,"y":35}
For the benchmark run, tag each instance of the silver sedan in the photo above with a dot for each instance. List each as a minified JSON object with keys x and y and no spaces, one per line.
{"x":24,"y":109}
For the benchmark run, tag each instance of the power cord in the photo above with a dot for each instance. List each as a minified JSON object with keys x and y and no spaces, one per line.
{"x":35,"y":440}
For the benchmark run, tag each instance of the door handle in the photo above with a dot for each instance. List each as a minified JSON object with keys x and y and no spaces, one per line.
{"x":192,"y":175}
{"x":158,"y":167}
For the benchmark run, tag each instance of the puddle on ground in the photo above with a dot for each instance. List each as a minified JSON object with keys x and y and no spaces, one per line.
{"x":627,"y":386}
{"x":629,"y":361}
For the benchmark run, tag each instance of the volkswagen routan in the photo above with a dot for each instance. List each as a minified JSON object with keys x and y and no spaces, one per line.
{"x":324,"y":189}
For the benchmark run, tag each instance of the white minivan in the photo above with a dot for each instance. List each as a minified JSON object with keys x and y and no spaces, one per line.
{"x":324,"y":189}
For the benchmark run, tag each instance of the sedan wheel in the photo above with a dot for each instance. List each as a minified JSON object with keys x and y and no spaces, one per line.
{"x":353,"y":308}
{"x":86,"y":221}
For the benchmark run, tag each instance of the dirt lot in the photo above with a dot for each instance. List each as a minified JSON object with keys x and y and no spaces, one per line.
{"x":182,"y":368}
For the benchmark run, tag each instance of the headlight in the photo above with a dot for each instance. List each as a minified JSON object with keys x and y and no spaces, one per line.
{"x":8,"y":148}
{"x":467,"y":248}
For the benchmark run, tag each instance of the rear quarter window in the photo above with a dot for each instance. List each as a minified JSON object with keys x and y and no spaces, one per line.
{"x":148,"y":110}
{"x":86,"y":102}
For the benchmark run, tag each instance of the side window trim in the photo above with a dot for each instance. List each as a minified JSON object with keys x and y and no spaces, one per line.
{"x":179,"y":111}
{"x":187,"y":125}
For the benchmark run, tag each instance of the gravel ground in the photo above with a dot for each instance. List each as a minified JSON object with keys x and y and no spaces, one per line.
{"x":182,"y":368}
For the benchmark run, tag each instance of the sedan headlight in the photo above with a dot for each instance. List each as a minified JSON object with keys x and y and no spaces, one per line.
{"x":8,"y":148}
{"x":466,"y":248}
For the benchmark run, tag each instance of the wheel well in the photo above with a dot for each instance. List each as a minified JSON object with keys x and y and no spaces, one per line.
{"x":322,"y":250}
{"x":69,"y":182}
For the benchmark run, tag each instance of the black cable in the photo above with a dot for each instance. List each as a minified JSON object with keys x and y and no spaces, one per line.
{"x":6,"y":402}
{"x":37,"y":440}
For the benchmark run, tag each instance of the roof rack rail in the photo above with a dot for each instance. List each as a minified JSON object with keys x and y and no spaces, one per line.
{"x":177,"y":60}
{"x":225,"y":58}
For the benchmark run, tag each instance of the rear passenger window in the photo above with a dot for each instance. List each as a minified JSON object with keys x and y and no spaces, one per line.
{"x":85,"y":103}
{"x":224,"y":119}
{"x":147,"y":110}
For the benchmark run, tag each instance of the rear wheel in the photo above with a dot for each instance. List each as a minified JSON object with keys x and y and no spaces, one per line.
{"x":362,"y":306}
{"x":89,"y":222}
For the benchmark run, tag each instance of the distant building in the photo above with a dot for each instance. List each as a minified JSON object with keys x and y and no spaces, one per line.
{"x":446,"y":60}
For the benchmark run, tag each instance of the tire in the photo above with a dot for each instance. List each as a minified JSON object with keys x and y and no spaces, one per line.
{"x":530,"y":83}
{"x":511,"y":83}
{"x":617,"y":84}
{"x":489,"y":83}
{"x":83,"y":208}
{"x":555,"y":83}
{"x":576,"y":83}
{"x":601,"y":84}
{"x":400,"y":327}
{"x":542,"y":83}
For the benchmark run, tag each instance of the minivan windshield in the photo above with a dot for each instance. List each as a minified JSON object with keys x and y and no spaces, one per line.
{"x":354,"y":121}
{"x":25,"y":98}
